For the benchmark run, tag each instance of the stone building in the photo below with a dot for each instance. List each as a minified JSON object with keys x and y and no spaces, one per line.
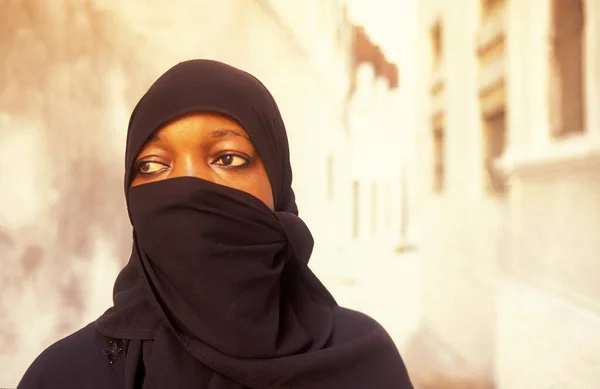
{"x":370,"y":163}
{"x":509,"y":202}
{"x":70,"y":76}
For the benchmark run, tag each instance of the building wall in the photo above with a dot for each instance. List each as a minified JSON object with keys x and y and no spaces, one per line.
{"x":71,"y":74}
{"x":510,"y":282}
{"x":548,"y":303}
{"x":461,"y":226}
{"x":392,"y":25}
{"x":370,"y":155}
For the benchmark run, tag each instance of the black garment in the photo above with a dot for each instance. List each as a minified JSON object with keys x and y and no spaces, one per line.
{"x":217,"y":293}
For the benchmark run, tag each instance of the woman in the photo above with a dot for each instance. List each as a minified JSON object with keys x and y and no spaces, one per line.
{"x":217,"y":293}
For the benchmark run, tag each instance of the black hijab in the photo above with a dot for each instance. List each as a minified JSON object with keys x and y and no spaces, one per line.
{"x":217,"y":292}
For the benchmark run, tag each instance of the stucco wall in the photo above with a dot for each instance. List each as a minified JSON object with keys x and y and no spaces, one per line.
{"x":510,"y":285}
{"x":71,"y":74}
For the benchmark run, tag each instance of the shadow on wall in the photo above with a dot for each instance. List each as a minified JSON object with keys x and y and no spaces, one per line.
{"x":433,"y":366}
{"x":445,"y":382}
{"x":61,"y":72}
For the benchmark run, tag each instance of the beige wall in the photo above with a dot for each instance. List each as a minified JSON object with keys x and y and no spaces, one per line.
{"x":510,"y":284}
{"x":548,"y":304}
{"x":461,"y":234}
{"x":71,"y":74}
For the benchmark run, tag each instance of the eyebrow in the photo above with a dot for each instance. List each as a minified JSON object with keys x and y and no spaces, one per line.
{"x":218,"y":133}
{"x":223,"y":132}
{"x":153,"y":138}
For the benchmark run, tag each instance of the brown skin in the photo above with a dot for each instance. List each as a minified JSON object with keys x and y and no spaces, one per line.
{"x":207,"y":146}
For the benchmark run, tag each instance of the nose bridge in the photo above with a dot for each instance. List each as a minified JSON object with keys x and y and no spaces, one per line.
{"x":190,"y":165}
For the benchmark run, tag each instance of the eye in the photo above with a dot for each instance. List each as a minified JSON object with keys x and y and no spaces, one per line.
{"x":149,"y":167}
{"x":231,"y":161}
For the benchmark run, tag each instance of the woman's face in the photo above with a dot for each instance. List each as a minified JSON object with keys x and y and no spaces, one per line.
{"x":207,"y":146}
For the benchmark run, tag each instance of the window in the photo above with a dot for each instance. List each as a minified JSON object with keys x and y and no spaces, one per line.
{"x":438,"y":160}
{"x":494,"y":144}
{"x":374,"y":207}
{"x":567,"y":92}
{"x":491,"y":55}
{"x":437,"y":93}
{"x":491,"y":52}
{"x":436,"y":44}
{"x":356,"y":209}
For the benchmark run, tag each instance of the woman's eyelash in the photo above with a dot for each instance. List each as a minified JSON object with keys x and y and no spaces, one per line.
{"x":228,"y":160}
{"x":139,"y":167}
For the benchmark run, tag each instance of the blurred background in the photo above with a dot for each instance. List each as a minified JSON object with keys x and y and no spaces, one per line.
{"x":446,"y":158}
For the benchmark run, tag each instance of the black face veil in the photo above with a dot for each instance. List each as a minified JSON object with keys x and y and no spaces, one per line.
{"x":217,"y":292}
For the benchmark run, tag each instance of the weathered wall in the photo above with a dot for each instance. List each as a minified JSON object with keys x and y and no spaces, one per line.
{"x":548,"y":308}
{"x":461,"y":228}
{"x":510,"y":285}
{"x":71,"y":74}
{"x":63,"y":105}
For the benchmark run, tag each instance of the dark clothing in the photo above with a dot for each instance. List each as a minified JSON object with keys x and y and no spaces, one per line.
{"x":75,"y":362}
{"x":90,"y":360}
{"x":217,"y":293}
